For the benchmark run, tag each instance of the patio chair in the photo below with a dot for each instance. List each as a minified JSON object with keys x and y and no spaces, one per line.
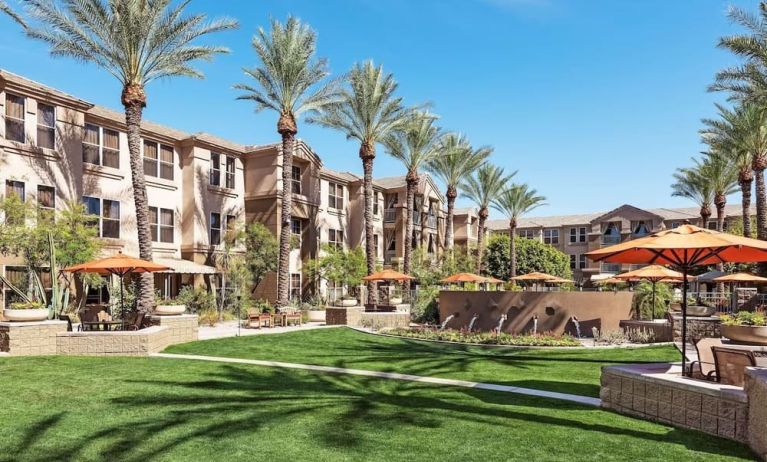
{"x":134,"y":322}
{"x":706,"y":367}
{"x":64,"y":317}
{"x":260,"y":319}
{"x":731,"y":365}
{"x":292,"y":316}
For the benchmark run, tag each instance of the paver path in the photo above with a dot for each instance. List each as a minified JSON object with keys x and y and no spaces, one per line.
{"x":392,"y":376}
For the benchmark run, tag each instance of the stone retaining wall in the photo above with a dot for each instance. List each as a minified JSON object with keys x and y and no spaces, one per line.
{"x":661,"y":331}
{"x":122,"y":343}
{"x":756,"y":390}
{"x":182,"y":328}
{"x":358,"y":317}
{"x":697,"y":328}
{"x":30,"y":338}
{"x":658,"y":392}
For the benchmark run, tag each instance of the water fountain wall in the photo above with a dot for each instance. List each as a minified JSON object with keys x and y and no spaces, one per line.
{"x":603,"y":310}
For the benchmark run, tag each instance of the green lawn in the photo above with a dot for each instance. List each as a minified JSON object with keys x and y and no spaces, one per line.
{"x":574,"y":371}
{"x":141,"y":409}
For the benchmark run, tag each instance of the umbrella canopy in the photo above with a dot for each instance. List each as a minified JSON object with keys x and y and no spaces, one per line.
{"x":464,"y":277}
{"x":493,"y":280}
{"x":559,"y":281}
{"x":118,"y":264}
{"x":388,"y":275}
{"x":611,"y":281}
{"x":742,"y":277}
{"x":534,"y":277}
{"x":651,"y":273}
{"x":685,"y":247}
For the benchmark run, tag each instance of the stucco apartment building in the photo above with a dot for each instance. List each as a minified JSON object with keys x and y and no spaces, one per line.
{"x":55,"y":148}
{"x":575,"y":235}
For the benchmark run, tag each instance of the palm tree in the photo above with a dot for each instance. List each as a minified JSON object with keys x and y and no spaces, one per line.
{"x":692,"y":184}
{"x":483,"y":188}
{"x":515,"y":201}
{"x":747,"y":81}
{"x":5,"y":8}
{"x":137,"y":41}
{"x":457,"y":161}
{"x":723,"y":176}
{"x":289,"y":83}
{"x":727,"y":135}
{"x":368,"y":111}
{"x":414,"y":144}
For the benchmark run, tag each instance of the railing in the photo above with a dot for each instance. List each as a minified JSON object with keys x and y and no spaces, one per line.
{"x":431,"y":222}
{"x":610,"y":267}
{"x":724,"y":302}
{"x":390,"y":215}
{"x":611,"y":240}
{"x":416,"y":217}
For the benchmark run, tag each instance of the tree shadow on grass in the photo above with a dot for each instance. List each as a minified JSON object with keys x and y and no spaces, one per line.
{"x":233,"y":401}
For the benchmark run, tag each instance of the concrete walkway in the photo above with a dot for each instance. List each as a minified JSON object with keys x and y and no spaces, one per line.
{"x":586,"y":400}
{"x":229,"y":329}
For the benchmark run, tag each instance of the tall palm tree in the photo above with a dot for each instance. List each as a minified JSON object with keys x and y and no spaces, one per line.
{"x":289,"y":82}
{"x":136,"y":41}
{"x":414,"y":144}
{"x":457,"y":161}
{"x":723,"y":176}
{"x":368,"y":111}
{"x":483,"y":188}
{"x":5,"y":8}
{"x":730,"y":135}
{"x":746,"y":81}
{"x":691,"y":183}
{"x":515,"y":201}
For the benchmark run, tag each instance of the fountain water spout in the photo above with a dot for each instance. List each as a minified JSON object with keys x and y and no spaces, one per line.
{"x":535,"y":324}
{"x":473,"y":320}
{"x":577,"y":326}
{"x":500,"y":324}
{"x":447,"y":320}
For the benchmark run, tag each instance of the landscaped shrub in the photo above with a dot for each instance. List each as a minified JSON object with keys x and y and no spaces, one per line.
{"x":485,"y":338}
{"x":208,"y":317}
{"x":33,"y":305}
{"x":744,"y":318}
{"x":425,"y":307}
{"x":619,"y":337}
{"x":197,"y":300}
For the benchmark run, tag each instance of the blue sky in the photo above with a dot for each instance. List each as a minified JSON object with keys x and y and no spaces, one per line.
{"x":594,"y":102}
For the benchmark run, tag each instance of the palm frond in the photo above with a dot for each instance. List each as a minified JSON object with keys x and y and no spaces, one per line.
{"x":485,"y":185}
{"x":457,"y":159}
{"x":517,"y":200}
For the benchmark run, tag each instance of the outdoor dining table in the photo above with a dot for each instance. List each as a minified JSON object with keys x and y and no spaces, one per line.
{"x":105,"y":325}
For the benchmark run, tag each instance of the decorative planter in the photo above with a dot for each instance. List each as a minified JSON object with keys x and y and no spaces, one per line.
{"x":39,"y":314}
{"x":316,"y":315}
{"x":169,"y":310}
{"x":346,"y":302}
{"x":395,"y":301}
{"x":746,"y":334}
{"x":700,"y":310}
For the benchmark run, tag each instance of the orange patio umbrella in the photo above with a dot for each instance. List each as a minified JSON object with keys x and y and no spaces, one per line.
{"x":119,"y":265}
{"x":684,"y":247}
{"x":464,"y":277}
{"x":388,"y":275}
{"x":653,"y":274}
{"x":535,"y":276}
{"x":741,"y":277}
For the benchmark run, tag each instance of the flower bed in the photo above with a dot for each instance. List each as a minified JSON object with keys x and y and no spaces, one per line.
{"x":485,"y":338}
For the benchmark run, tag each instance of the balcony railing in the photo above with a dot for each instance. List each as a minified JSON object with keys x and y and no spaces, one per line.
{"x":610,"y":267}
{"x":431,"y":222}
{"x":416,"y":218}
{"x":611,"y":240}
{"x":390,"y":215}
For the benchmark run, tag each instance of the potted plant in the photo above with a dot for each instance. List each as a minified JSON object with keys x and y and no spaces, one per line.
{"x":314,"y":308}
{"x":170,"y":307}
{"x":26,"y":312}
{"x":347,"y":301}
{"x":745,"y":327}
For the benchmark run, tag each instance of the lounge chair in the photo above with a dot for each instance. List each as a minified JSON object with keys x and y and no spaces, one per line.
{"x":135,"y":322}
{"x":292,"y":316}
{"x":257,"y":319}
{"x":731,"y":365}
{"x":705,"y":365}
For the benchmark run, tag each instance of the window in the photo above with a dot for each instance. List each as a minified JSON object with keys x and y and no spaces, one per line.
{"x":375,"y":245}
{"x":612,"y":234}
{"x":578,"y":235}
{"x":295,"y":179}
{"x":711,"y":224}
{"x":46,"y":126}
{"x":335,"y":196}
{"x":640,"y":229}
{"x":15,"y":187}
{"x":101,"y":146}
{"x":14,"y":118}
{"x":108,"y":213}
{"x":527,"y":233}
{"x":296,"y":228}
{"x":46,"y":203}
{"x":295,"y":286}
{"x":610,"y":268}
{"x":675,"y":224}
{"x":215,"y":228}
{"x":161,"y":224}
{"x":230,"y":172}
{"x":551,"y":236}
{"x":158,"y":160}
{"x":214,"y":177}
{"x":581,"y":261}
{"x":336,"y":238}
{"x":375,"y":204}
{"x":573,"y":261}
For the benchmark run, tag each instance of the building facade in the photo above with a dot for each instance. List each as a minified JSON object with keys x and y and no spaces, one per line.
{"x":56,"y":148}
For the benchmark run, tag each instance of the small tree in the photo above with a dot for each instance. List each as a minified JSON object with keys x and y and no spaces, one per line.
{"x":261,"y":252}
{"x":339,"y":266}
{"x":532,"y":255}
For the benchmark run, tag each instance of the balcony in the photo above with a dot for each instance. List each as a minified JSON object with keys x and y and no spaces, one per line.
{"x":431,"y":222}
{"x":417,"y":218}
{"x":610,"y":268}
{"x":390,"y":215}
{"x":611,"y":240}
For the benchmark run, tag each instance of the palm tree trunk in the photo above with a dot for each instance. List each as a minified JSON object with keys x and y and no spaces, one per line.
{"x":761,"y":204}
{"x":512,"y":249}
{"x":721,"y":202}
{"x":745,"y":190}
{"x":134,"y":100}
{"x":223,"y":296}
{"x":287,"y":129}
{"x":411,"y":184}
{"x":367,"y":154}
{"x":452,"y":194}
{"x":481,"y":238}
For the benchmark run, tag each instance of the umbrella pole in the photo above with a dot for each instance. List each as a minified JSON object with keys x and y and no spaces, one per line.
{"x":653,"y":300}
{"x":122,"y":295}
{"x":684,"y":321}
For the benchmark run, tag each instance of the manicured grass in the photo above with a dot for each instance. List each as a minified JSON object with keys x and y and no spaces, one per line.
{"x":574,"y":371}
{"x":142,"y":409}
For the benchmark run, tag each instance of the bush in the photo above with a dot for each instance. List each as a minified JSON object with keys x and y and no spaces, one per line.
{"x":744,"y":318}
{"x":618,"y":337}
{"x":197,"y":300}
{"x":485,"y":338}
{"x":643,"y":299}
{"x":532,"y":255}
{"x":33,"y":305}
{"x":208,"y":317}
{"x":425,"y":308}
